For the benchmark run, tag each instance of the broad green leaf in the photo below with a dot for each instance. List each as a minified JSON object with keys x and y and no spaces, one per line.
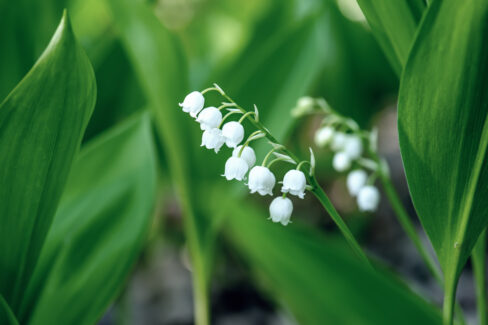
{"x":479,"y":270}
{"x":25,"y":29}
{"x":158,"y":61}
{"x":41,"y":125}
{"x":99,"y":229}
{"x":443,"y":129}
{"x":320,"y":281}
{"x":394,"y":24}
{"x":7,"y":317}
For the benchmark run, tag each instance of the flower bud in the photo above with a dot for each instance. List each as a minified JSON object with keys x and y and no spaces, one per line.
{"x":353,"y":146}
{"x":209,"y":118}
{"x":213,"y":139}
{"x":368,"y":198}
{"x":356,"y":180}
{"x":304,"y":106}
{"x":235,"y":168}
{"x":247,"y":154}
{"x":193,"y":103}
{"x":294,"y":183}
{"x":323,"y":136}
{"x":341,"y":161}
{"x":280,"y":210}
{"x":338,"y":141}
{"x":261,"y":180}
{"x":233,"y":133}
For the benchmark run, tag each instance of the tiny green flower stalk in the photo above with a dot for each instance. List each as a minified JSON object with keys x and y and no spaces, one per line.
{"x":219,"y":131}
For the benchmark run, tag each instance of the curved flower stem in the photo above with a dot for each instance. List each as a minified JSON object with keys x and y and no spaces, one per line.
{"x":324,"y":200}
{"x":316,"y":189}
{"x":409,"y":228}
{"x":479,"y":268}
{"x":407,"y":225}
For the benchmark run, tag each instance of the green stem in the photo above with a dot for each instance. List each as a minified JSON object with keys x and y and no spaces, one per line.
{"x":408,"y":226}
{"x":449,"y":298}
{"x":201,"y":299}
{"x":329,"y":207}
{"x":479,"y":268}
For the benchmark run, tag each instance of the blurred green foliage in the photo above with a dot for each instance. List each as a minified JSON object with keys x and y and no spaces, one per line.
{"x":149,"y":55}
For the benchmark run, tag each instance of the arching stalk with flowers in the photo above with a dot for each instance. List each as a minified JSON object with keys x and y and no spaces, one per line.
{"x":261,"y":178}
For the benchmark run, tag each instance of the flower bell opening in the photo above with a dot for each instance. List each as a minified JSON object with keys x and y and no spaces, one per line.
{"x":193,"y":103}
{"x":213,"y":139}
{"x":280,"y":210}
{"x":235,"y":168}
{"x":294,"y":183}
{"x":209,"y":118}
{"x":233,"y":133}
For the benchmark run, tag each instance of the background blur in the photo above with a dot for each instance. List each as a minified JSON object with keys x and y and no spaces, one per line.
{"x":267,"y":53}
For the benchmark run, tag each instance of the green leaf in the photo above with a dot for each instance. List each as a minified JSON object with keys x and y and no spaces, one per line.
{"x":99,"y":229}
{"x":41,"y":125}
{"x":394,"y":24}
{"x":7,"y":317}
{"x":443,"y":129}
{"x":320,"y":281}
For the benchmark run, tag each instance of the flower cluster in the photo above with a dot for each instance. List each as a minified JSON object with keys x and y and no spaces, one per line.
{"x":261,"y":179}
{"x":344,"y":137}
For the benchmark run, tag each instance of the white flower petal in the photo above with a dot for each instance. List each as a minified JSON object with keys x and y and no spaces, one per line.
{"x":209,"y":118}
{"x":233,"y":133}
{"x":356,"y":180}
{"x":193,"y":103}
{"x":261,"y":180}
{"x":338,"y":141}
{"x":341,"y":161}
{"x":353,"y":146}
{"x":247,"y":154}
{"x":235,"y":168}
{"x":324,"y":135}
{"x":213,"y":139}
{"x":294,"y":183}
{"x":280,"y":210}
{"x":368,"y":198}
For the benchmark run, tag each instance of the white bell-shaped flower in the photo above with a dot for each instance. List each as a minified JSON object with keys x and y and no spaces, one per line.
{"x":368,"y":198}
{"x":193,"y":103}
{"x":261,"y":180}
{"x":304,"y":106}
{"x":323,"y":136}
{"x":294,"y":183}
{"x":235,"y":168}
{"x":353,"y":146}
{"x":280,"y":210}
{"x":213,"y":139}
{"x":247,"y":154}
{"x":233,"y":133}
{"x":356,"y":180}
{"x":341,"y":161}
{"x":338,"y":141}
{"x":209,"y":118}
